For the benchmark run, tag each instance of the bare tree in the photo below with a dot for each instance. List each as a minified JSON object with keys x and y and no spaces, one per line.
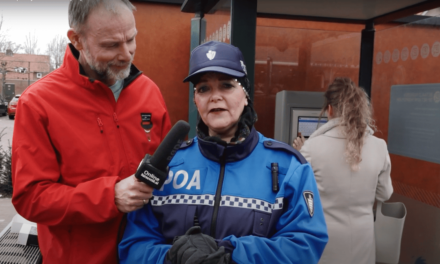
{"x":30,"y":44}
{"x":2,"y":35}
{"x":10,"y":45}
{"x":4,"y":42}
{"x":56,"y":49}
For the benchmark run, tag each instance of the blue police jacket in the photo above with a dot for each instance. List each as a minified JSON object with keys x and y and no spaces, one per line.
{"x":227,"y":190}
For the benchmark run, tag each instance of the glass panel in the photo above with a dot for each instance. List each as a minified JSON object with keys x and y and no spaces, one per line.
{"x":406,"y":98}
{"x":295,"y":59}
{"x":218,"y":22}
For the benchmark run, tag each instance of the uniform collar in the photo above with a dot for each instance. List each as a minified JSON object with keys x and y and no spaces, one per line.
{"x":231,"y":152}
{"x":73,"y":69}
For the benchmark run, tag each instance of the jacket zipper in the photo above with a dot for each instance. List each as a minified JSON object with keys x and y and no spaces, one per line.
{"x":218,"y":196}
{"x":115,"y":118}
{"x":101,"y":125}
{"x":126,"y":168}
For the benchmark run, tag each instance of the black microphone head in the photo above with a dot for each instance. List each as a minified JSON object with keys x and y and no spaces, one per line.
{"x":171,"y":143}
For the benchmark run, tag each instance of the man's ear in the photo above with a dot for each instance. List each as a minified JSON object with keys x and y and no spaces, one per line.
{"x":75,"y":39}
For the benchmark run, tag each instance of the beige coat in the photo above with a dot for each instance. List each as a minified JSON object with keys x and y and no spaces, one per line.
{"x":347,"y":196}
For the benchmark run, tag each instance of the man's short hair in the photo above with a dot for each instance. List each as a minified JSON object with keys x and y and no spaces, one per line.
{"x":79,"y":10}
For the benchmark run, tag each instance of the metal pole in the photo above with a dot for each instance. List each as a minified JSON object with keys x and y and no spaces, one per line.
{"x":29,"y":73}
{"x":198,"y":30}
{"x":366,"y":58}
{"x":3,"y":80}
{"x":243,"y":34}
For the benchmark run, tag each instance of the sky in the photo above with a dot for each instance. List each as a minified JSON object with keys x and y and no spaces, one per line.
{"x":45,"y":18}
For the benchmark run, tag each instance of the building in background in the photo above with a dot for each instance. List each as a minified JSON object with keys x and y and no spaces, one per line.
{"x":22,"y":70}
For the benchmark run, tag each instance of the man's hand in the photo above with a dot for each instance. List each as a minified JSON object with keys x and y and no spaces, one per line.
{"x":298,"y":143}
{"x":131,"y":194}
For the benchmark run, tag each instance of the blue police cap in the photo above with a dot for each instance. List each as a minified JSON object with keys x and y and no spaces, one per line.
{"x":216,"y":57}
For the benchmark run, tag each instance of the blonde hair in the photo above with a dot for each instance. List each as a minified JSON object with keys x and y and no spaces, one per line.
{"x":351,"y":104}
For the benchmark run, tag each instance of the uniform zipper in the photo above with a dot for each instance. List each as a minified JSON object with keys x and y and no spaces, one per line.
{"x":101,"y":125}
{"x":218,"y":196}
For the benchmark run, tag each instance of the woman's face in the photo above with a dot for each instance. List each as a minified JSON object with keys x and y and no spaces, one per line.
{"x":220,"y":101}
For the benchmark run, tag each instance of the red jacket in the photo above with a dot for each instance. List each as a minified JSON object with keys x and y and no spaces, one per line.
{"x":72,"y":143}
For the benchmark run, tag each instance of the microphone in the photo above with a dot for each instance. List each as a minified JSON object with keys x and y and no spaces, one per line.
{"x":153,"y":170}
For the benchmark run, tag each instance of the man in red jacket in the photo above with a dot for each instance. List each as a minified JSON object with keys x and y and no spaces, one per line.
{"x":80,"y":133}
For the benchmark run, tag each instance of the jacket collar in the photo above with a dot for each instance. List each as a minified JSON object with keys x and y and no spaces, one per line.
{"x":76,"y":73}
{"x":231,"y":152}
{"x":334,"y":129}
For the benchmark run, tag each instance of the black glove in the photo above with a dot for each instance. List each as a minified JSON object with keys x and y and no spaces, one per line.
{"x":196,"y":248}
{"x":218,"y":257}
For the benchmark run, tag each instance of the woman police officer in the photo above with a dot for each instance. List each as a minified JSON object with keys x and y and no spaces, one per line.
{"x":218,"y":204}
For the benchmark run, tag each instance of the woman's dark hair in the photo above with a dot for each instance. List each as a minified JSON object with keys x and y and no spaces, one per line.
{"x":243,"y":80}
{"x":351,"y":104}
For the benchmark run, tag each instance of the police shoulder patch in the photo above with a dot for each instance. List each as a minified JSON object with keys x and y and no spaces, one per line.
{"x":308,"y":198}
{"x":272,"y":144}
{"x":186,"y":143}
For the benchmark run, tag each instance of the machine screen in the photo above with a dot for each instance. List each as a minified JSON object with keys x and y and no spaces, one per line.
{"x":308,"y":124}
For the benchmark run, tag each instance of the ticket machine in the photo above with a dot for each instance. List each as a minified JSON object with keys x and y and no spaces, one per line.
{"x":297,"y":112}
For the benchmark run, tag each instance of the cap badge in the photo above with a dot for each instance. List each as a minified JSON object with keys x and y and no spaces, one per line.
{"x":210,"y":54}
{"x":243,"y":66}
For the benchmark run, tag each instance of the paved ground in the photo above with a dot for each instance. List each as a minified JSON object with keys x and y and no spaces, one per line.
{"x":7,"y":211}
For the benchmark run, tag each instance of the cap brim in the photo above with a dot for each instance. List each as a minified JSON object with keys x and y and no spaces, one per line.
{"x":224,"y":70}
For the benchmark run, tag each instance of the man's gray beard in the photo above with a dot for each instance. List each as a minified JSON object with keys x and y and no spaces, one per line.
{"x":104,"y":70}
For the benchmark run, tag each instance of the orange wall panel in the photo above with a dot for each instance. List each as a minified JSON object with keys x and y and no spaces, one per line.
{"x":300,"y":55}
{"x":163,"y":50}
{"x":419,"y":174}
{"x":307,"y":24}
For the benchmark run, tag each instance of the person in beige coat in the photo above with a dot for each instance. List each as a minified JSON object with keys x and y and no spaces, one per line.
{"x":352,"y":169}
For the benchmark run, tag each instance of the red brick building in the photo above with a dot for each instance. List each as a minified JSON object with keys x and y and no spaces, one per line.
{"x":23,"y":69}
